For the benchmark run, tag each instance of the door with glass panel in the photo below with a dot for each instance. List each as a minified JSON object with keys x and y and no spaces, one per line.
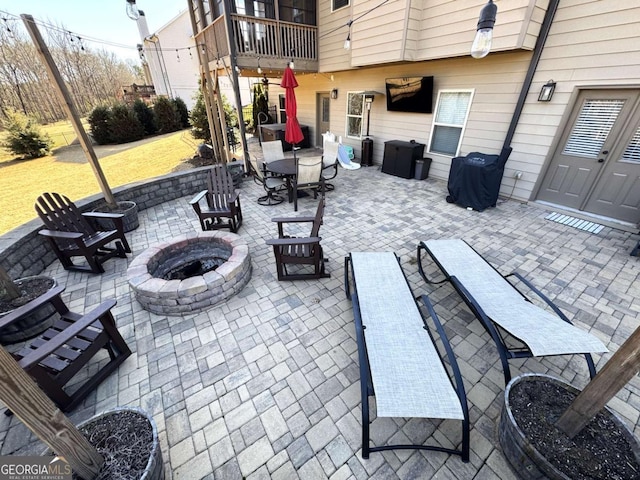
{"x":323,"y":119}
{"x":596,"y":168}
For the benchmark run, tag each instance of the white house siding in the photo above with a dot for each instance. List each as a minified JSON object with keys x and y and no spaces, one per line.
{"x":332,"y":33}
{"x":496,"y":80}
{"x":592,"y":44}
{"x":182,"y":69}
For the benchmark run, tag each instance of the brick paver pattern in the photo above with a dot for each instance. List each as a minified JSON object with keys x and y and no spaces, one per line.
{"x":266,"y":384}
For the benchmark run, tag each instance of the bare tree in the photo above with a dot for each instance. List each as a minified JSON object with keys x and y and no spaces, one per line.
{"x":93,"y":76}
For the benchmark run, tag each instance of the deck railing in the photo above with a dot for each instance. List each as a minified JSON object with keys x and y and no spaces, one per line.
{"x":263,"y":37}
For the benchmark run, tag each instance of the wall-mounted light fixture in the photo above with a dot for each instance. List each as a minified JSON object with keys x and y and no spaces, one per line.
{"x":132,"y":10}
{"x":482,"y":43}
{"x":547,"y":91}
{"x":334,"y":93}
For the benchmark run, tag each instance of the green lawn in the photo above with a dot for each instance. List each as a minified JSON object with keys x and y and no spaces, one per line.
{"x":68,"y":173}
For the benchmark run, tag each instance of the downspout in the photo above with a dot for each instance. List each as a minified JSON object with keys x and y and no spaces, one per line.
{"x":533,"y":65}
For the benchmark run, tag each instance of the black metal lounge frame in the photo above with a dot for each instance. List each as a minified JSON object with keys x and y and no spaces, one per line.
{"x":366,"y":383}
{"x":505,"y":351}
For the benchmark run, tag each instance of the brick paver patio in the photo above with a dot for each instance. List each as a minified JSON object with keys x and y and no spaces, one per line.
{"x":266,"y":385}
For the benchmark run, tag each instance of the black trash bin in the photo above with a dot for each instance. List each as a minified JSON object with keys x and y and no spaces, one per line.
{"x":474,"y":180}
{"x":422,"y":168}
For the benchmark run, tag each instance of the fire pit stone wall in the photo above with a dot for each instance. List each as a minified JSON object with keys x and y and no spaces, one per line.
{"x":198,"y":292}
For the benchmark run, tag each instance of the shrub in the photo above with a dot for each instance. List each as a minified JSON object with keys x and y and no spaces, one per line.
{"x":167,"y":117}
{"x":183,"y":112}
{"x":145,"y":116}
{"x":24,"y":137}
{"x":124,"y":126}
{"x":260,"y":104}
{"x":99,"y":120}
{"x":199,"y":121}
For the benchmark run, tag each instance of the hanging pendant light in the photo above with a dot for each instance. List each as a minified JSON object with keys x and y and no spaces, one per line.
{"x":484,"y":35}
{"x":132,"y":10}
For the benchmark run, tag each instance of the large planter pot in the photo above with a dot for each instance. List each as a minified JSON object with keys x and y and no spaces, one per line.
{"x":111,"y":433}
{"x":528,"y":462}
{"x":129,"y":209}
{"x":33,"y":324}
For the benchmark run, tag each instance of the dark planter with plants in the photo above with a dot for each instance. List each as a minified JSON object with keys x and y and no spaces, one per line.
{"x":34,"y":323}
{"x":533,"y":400}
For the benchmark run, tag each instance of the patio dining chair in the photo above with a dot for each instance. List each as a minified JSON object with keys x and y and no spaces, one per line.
{"x":308,"y":177}
{"x":272,"y":151}
{"x":271,"y":184}
{"x":329,"y":163}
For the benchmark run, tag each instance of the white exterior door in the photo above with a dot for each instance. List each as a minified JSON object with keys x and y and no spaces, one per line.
{"x":596,"y":168}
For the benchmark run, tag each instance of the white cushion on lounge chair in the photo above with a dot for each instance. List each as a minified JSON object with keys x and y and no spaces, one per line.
{"x":542,"y":331}
{"x":408,"y":376}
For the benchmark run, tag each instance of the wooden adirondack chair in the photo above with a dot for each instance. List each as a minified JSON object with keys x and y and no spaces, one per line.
{"x":57,"y":355}
{"x":222,"y":201}
{"x":290,"y":250}
{"x":72,"y":234}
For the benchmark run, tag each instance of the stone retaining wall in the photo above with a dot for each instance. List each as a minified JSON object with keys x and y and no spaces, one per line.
{"x":23,"y":252}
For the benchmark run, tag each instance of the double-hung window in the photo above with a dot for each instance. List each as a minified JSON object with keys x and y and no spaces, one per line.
{"x":449,"y":121}
{"x":355,"y":112}
{"x":336,"y":4}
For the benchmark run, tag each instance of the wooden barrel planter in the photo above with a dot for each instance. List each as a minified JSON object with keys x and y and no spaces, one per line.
{"x":34,"y":323}
{"x":125,"y":429}
{"x":525,"y":459}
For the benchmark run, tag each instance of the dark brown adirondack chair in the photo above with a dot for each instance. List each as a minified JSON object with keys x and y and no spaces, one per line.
{"x":55,"y":357}
{"x":72,"y":233}
{"x":222,"y":201}
{"x":300,"y":251}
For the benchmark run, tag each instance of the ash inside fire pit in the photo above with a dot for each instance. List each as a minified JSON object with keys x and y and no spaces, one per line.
{"x":190,"y":260}
{"x":193,"y":268}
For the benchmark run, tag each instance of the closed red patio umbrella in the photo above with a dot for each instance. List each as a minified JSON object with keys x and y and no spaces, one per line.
{"x":292,"y":132}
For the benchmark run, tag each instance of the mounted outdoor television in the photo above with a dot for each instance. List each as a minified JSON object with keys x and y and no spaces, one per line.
{"x":410,"y":94}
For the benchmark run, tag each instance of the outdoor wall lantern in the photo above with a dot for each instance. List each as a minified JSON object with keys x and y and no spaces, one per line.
{"x":482,"y":43}
{"x":547,"y":91}
{"x":334,"y":93}
{"x":132,"y":10}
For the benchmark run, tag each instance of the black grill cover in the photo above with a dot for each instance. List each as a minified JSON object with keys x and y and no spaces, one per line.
{"x":474,"y":180}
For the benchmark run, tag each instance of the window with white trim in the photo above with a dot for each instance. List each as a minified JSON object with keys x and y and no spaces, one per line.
{"x":355,"y":112}
{"x":449,"y":121}
{"x":336,"y":4}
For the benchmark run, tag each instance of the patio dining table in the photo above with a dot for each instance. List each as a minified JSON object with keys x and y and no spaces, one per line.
{"x":287,"y":168}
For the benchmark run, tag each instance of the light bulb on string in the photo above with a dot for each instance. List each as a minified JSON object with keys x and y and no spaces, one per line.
{"x":132,"y":11}
{"x":484,"y":35}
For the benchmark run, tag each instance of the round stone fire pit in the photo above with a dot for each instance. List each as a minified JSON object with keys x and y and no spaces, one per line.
{"x":190,"y":273}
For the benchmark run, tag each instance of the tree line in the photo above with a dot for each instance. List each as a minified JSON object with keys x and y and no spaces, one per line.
{"x":93,"y":77}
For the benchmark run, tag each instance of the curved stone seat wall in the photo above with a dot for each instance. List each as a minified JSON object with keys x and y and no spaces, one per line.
{"x":23,"y":252}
